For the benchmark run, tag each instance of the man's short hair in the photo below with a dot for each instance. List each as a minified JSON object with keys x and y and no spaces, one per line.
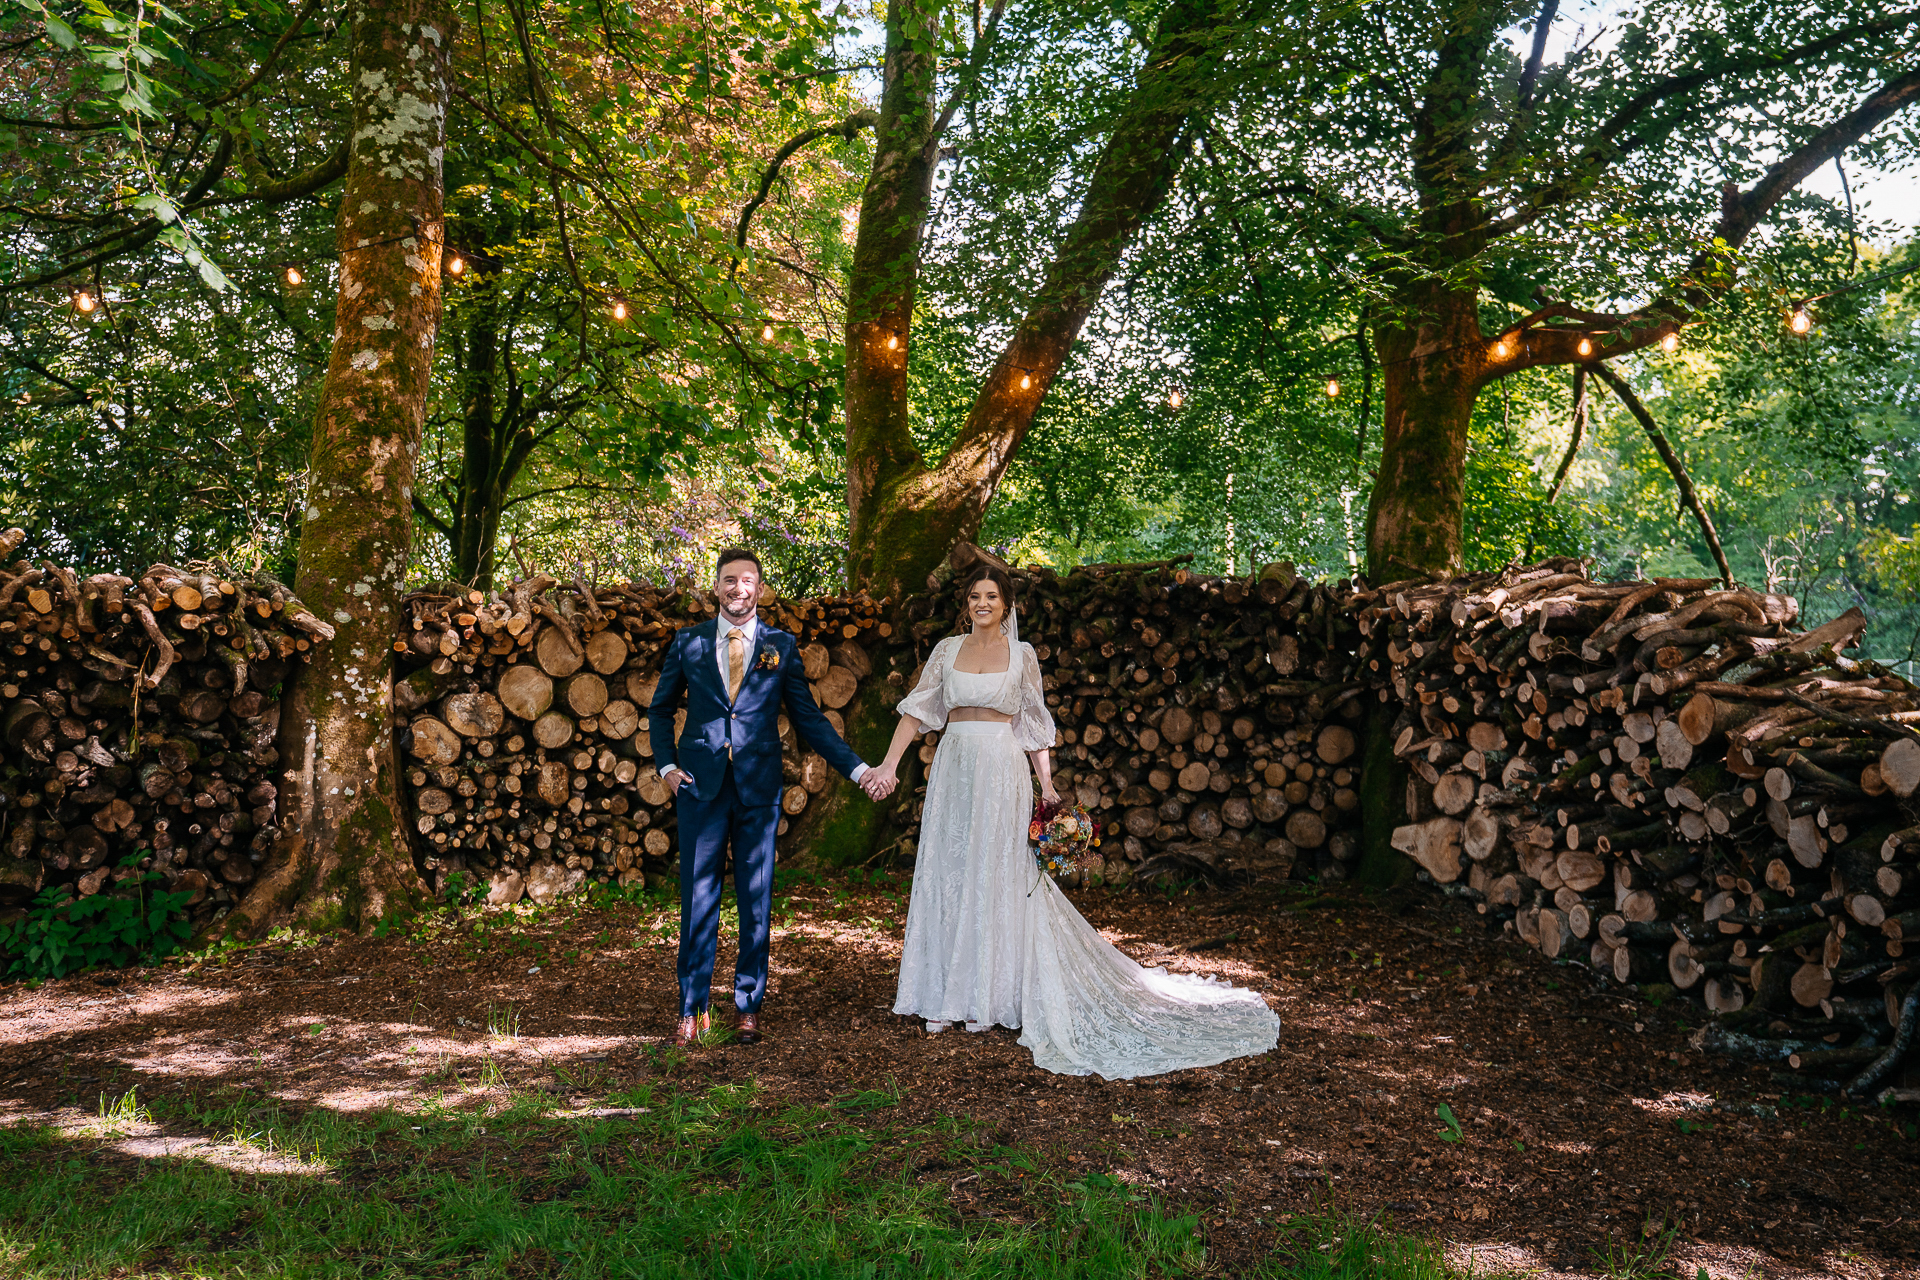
{"x":731,"y":554}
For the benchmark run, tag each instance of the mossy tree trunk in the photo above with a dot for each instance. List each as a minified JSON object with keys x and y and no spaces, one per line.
{"x":904,"y":515}
{"x":344,"y":857}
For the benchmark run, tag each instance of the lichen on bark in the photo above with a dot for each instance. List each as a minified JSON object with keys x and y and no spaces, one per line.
{"x":344,"y":857}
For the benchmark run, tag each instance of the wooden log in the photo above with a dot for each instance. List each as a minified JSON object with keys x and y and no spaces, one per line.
{"x":1335,"y":743}
{"x":837,"y":687}
{"x":525,"y":690}
{"x":607,"y":651}
{"x":586,"y":693}
{"x":556,"y":652}
{"x":553,"y":730}
{"x":1434,"y":844}
{"x":620,"y":719}
{"x":1900,"y":767}
{"x":433,"y":742}
{"x":473,"y":715}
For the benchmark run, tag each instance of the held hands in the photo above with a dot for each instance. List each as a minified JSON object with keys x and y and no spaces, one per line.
{"x":879,"y":782}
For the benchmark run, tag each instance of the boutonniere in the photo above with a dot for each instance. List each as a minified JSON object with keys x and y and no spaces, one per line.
{"x":769,"y":660}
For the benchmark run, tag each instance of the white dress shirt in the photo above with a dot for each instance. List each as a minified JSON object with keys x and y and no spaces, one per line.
{"x":750,"y":631}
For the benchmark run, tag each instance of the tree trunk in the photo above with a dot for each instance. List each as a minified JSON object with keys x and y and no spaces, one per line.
{"x":1430,"y":363}
{"x":344,"y":858}
{"x":903,"y":515}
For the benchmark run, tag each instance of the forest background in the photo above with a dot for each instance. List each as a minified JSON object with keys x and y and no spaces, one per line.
{"x":642,"y":351}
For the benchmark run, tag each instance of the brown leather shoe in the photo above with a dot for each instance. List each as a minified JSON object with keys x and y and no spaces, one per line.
{"x":691,"y":1028}
{"x":747,"y":1030}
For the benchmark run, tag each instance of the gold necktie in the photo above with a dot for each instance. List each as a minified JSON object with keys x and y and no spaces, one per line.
{"x":736,"y":662}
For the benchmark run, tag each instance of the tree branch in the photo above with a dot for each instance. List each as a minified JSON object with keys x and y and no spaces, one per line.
{"x":1708,"y":275}
{"x":1579,"y":432}
{"x":1688,"y":497}
{"x":847,"y":129}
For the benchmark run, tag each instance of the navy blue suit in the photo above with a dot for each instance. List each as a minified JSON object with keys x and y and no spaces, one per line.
{"x":732,"y":753}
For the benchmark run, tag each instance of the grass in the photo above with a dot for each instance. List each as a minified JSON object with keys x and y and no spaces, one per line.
{"x":697,"y":1185}
{"x":709,"y":1184}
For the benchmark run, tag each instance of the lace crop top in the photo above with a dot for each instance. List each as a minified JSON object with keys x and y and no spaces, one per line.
{"x":1015,"y":692}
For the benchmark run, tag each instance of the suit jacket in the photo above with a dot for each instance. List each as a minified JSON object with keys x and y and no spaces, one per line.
{"x":750,"y":726}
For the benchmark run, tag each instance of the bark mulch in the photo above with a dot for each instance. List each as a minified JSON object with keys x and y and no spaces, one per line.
{"x":1584,"y":1121}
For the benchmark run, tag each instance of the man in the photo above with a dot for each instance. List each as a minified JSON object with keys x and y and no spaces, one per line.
{"x":725,"y":774}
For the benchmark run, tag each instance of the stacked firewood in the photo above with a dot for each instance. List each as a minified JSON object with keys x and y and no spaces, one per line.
{"x":1667,"y":781}
{"x":522,"y":717}
{"x":137,"y":717}
{"x":1212,"y":724}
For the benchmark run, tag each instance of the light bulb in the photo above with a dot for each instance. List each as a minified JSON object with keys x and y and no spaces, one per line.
{"x":1800,"y":321}
{"x":893,"y":342}
{"x":294,"y":278}
{"x":1175,"y":399}
{"x":619,"y":311}
{"x":1333,"y":388}
{"x":456,"y":264}
{"x":1670,"y":343}
{"x":1585,"y":348}
{"x":766,"y":333}
{"x":83,"y":302}
{"x":1026,"y":381}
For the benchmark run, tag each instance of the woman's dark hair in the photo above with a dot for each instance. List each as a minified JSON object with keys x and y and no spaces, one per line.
{"x":987,"y":573}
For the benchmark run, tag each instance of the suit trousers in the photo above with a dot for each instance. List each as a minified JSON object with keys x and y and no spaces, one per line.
{"x":709,"y":826}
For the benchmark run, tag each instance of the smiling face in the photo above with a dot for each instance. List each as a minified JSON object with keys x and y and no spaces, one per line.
{"x":738,"y":589}
{"x":985,"y":605}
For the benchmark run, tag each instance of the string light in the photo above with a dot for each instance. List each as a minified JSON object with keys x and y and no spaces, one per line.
{"x":1333,"y":388}
{"x":84,"y":302}
{"x":1585,"y":348}
{"x":766,"y":333}
{"x":456,"y":265}
{"x":619,"y":311}
{"x":1801,"y":321}
{"x":1670,"y":343}
{"x":293,"y":277}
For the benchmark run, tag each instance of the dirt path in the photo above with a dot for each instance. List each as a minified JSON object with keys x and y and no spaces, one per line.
{"x":1583,"y":1117}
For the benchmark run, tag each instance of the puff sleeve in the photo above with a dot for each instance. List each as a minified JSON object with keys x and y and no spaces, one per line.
{"x":1033,"y":726}
{"x":928,"y":701}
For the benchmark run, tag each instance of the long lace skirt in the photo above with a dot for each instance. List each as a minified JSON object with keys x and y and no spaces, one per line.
{"x":991,"y":939}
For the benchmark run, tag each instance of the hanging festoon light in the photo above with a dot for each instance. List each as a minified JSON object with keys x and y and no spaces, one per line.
{"x":1800,"y":323}
{"x":1333,"y":388}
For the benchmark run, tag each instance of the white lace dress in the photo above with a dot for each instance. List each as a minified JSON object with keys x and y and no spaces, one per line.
{"x":990,"y":939}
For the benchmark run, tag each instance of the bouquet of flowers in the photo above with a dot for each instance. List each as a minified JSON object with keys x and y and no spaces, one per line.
{"x":1061,"y":834}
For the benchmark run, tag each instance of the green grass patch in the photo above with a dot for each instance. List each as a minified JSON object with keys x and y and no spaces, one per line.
{"x":710,"y":1184}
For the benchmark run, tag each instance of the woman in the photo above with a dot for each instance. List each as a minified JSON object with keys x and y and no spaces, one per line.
{"x":990,"y":939}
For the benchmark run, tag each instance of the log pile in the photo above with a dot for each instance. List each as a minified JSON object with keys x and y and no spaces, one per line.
{"x":138,"y":717}
{"x":1211,"y":723}
{"x":521,"y":717}
{"x":1668,"y":782}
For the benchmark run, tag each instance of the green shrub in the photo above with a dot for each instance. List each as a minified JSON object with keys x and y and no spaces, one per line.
{"x":130,"y":924}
